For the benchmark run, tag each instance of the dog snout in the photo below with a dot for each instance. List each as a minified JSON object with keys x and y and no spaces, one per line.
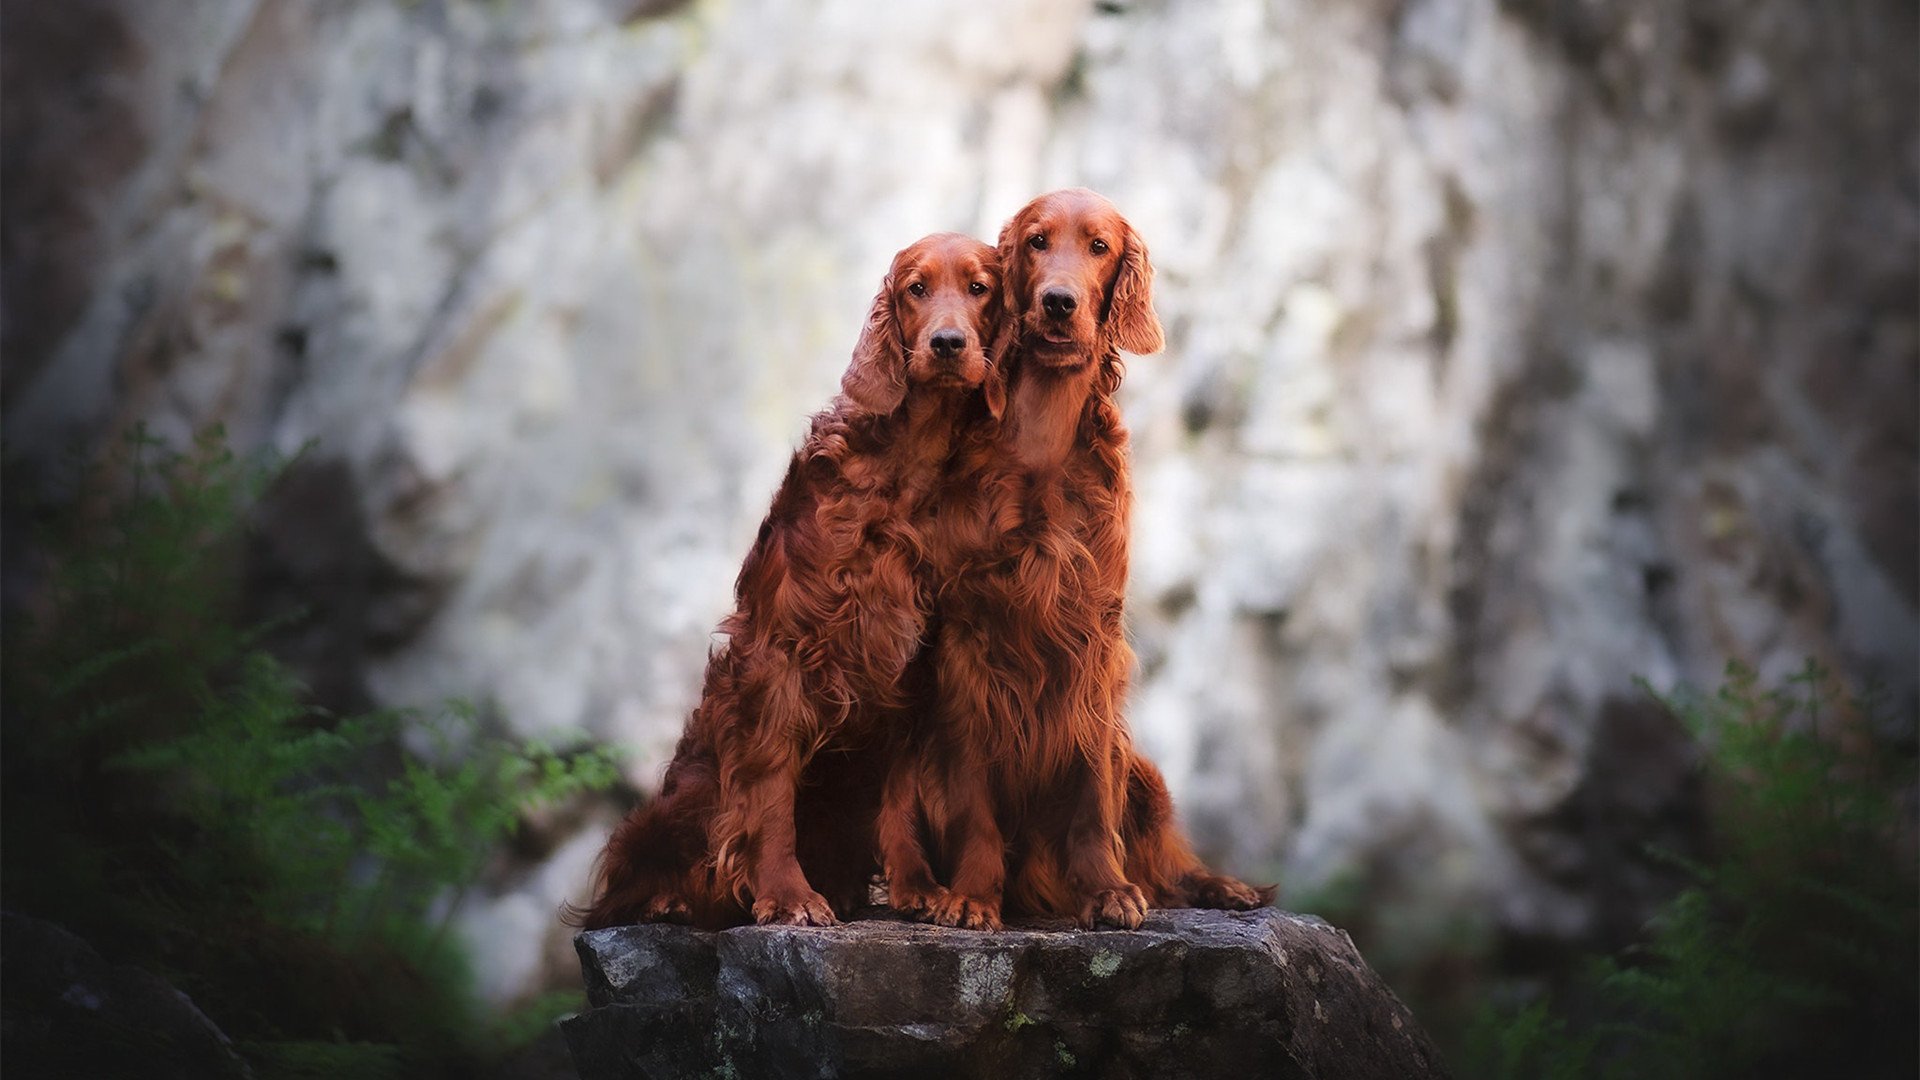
{"x":948,"y":343}
{"x":1058,"y":302}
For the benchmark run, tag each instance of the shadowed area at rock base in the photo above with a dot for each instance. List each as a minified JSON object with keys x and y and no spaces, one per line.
{"x":71,"y":1013}
{"x":1189,"y":994}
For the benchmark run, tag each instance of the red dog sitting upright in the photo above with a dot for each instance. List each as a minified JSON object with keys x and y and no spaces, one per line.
{"x":829,"y":614}
{"x":1028,"y":763}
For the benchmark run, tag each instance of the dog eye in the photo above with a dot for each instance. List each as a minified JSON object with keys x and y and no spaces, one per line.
{"x":978,"y":288}
{"x":918,"y":288}
{"x":1037,"y":242}
{"x":1099,"y":247}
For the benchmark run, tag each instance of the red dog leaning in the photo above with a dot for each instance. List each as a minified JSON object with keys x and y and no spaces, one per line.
{"x":773,"y":790}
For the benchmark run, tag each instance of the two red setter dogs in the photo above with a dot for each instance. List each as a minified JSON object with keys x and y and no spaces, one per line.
{"x":925,"y":668}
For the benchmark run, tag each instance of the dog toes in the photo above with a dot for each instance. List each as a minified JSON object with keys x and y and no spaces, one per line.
{"x":1124,"y":907}
{"x":1225,"y":893}
{"x":916,"y":903}
{"x":965,"y":912}
{"x":667,"y":908}
{"x":800,"y":909}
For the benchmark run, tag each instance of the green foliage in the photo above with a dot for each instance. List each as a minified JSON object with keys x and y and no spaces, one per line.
{"x":1794,"y":950}
{"x":1529,"y":1043}
{"x":318,"y":1060}
{"x":171,"y":794}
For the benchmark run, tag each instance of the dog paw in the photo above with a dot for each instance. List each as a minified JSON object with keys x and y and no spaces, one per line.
{"x":916,"y":901}
{"x":795,"y":909}
{"x":1225,"y":893}
{"x":1124,"y":907}
{"x":965,"y":912}
{"x":667,"y":908}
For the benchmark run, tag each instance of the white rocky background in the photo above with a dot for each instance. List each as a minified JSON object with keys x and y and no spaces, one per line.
{"x":1516,"y":349}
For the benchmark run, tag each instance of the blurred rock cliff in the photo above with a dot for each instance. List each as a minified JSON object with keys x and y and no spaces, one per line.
{"x":1516,"y":349}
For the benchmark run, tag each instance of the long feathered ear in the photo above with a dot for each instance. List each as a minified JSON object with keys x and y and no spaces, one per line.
{"x":1131,"y":323}
{"x":876,"y":380}
{"x":1013,"y":267}
{"x":1001,"y":331}
{"x":1013,"y":287}
{"x":999,"y":348}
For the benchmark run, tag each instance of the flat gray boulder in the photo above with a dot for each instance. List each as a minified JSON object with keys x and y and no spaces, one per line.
{"x":1190,"y":994}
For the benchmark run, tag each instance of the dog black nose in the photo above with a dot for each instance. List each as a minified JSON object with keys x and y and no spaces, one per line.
{"x":948,"y":342}
{"x":1058,"y":302}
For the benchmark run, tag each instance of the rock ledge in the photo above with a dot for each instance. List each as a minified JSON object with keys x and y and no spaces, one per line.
{"x":1190,"y":994}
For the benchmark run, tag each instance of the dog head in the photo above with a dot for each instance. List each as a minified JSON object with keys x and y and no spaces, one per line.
{"x":929,"y":324}
{"x":1077,"y":280}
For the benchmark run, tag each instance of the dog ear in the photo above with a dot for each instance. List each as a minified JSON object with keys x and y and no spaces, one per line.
{"x":994,"y":388}
{"x":1013,"y":266}
{"x":998,"y":342}
{"x":1131,"y":323}
{"x":876,"y":380}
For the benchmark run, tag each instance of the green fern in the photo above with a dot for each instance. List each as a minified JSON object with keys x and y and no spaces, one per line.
{"x":1529,"y":1043}
{"x":1794,"y":950}
{"x":171,"y":793}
